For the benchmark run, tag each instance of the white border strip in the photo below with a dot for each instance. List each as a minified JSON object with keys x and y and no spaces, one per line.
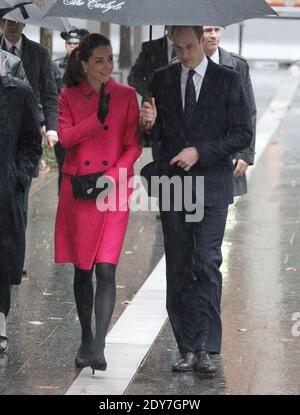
{"x":137,"y":328}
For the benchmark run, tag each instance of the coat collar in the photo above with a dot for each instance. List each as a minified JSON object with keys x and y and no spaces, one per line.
{"x":88,"y":91}
{"x":226,"y":58}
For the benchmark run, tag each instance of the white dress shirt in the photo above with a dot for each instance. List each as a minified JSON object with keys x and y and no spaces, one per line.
{"x":216,"y":57}
{"x":18,"y":45}
{"x":197,"y":78}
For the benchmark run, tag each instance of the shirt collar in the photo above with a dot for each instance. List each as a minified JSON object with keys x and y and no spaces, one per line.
{"x":9,"y":45}
{"x":216,"y":56}
{"x":200,"y":69}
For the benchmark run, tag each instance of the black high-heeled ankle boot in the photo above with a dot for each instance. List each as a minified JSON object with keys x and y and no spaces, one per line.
{"x":83,"y":357}
{"x":98,"y":359}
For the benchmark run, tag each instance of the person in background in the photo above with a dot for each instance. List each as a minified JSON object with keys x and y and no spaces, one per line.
{"x":72,"y":39}
{"x":38,"y":69}
{"x":244,"y":158}
{"x":99,"y":128}
{"x":20,"y":150}
{"x":153,"y":55}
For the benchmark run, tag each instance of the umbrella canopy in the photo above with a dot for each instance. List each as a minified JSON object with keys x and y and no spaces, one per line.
{"x":163,"y":12}
{"x":36,"y":16}
{"x":9,"y":5}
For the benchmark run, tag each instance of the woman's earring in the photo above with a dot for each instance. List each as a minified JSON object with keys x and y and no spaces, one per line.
{"x":85,"y":70}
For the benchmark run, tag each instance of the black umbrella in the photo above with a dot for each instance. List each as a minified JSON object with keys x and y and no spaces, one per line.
{"x":8,"y":6}
{"x":163,"y":12}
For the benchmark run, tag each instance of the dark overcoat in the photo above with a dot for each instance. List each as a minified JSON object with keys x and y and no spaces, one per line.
{"x":38,"y":68}
{"x":20,"y":150}
{"x":239,"y":64}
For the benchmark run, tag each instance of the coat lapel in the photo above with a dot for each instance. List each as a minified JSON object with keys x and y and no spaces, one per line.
{"x":226,"y":58}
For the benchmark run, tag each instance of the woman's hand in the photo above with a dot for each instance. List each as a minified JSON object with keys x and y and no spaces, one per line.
{"x":148,"y":114}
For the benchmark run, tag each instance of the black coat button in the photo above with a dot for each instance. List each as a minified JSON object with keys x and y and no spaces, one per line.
{"x":87,"y":163}
{"x":105,"y":127}
{"x":105,"y":163}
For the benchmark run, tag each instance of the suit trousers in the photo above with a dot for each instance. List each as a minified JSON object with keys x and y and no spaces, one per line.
{"x":23,"y":200}
{"x":4,"y":293}
{"x":194,"y":281}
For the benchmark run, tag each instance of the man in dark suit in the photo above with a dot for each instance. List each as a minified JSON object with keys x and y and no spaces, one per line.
{"x":244,"y":158}
{"x":153,"y":55}
{"x":38,"y":69}
{"x":203,"y":119}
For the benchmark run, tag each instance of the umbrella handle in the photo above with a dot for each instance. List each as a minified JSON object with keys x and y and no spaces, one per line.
{"x":148,"y":123}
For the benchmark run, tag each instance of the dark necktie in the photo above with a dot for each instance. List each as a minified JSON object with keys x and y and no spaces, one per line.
{"x":190,"y":99}
{"x":13,"y":50}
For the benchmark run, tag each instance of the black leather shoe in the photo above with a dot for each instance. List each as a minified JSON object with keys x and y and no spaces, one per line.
{"x":185,"y":364}
{"x":203,"y":363}
{"x":83,"y":357}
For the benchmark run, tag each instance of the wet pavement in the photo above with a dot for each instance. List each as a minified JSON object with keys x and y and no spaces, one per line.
{"x":261,"y":289}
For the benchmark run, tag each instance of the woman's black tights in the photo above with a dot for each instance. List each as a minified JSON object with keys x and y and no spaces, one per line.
{"x":105,"y":298}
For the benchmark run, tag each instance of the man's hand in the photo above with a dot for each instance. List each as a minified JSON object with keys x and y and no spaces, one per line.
{"x":240,"y":168}
{"x":186,"y":158}
{"x":148,"y":114}
{"x":51,"y":140}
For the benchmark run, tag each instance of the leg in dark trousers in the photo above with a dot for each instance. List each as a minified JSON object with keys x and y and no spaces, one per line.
{"x":4,"y":293}
{"x":207,"y":288}
{"x":26,"y":201}
{"x":104,"y":305}
{"x":178,"y":246}
{"x":4,"y":308}
{"x":84,"y":297}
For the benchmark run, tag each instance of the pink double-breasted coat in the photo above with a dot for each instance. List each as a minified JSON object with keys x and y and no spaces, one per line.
{"x":83,"y":234}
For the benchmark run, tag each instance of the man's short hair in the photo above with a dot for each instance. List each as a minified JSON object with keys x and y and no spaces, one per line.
{"x":198,"y":30}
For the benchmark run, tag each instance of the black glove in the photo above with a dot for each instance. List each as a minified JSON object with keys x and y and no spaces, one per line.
{"x":103,"y":108}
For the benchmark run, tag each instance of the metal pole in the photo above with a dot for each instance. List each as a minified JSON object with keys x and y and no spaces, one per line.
{"x":241,"y":37}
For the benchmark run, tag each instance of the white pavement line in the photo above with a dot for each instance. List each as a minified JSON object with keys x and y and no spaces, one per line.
{"x":274,"y":115}
{"x":137,"y":328}
{"x":129,"y":340}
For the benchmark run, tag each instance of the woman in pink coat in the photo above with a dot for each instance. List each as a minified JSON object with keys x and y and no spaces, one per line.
{"x":96,"y":140}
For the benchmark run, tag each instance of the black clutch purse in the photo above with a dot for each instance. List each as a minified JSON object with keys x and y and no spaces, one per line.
{"x":84,"y":187}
